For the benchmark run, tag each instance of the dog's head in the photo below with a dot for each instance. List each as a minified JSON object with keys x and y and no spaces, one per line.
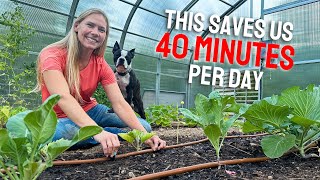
{"x":122,"y":58}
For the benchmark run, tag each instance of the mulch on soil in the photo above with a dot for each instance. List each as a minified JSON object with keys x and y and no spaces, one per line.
{"x":288,"y":167}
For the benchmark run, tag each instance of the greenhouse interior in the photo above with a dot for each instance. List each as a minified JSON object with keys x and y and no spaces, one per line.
{"x":242,"y":71}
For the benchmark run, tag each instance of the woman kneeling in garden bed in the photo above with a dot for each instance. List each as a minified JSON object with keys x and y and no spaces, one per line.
{"x":72,"y":68}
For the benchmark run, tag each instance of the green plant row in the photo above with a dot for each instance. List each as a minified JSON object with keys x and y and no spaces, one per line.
{"x":27,"y":142}
{"x":292,"y":119}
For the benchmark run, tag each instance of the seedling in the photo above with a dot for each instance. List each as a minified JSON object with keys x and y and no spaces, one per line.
{"x":136,"y":138}
{"x":211,"y":115}
{"x":27,"y":142}
{"x":292,"y":119}
{"x":178,"y":121}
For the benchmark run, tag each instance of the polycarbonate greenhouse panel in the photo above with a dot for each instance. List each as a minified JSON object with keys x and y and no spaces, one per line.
{"x":44,"y":20}
{"x":306,"y":30}
{"x":208,"y":8}
{"x":40,"y":40}
{"x":169,"y":83}
{"x":54,"y":5}
{"x":242,"y":11}
{"x":142,"y":45}
{"x":275,"y":81}
{"x":116,"y":10}
{"x":174,"y":68}
{"x":148,"y":80}
{"x":145,"y":63}
{"x":6,"y":6}
{"x":148,"y":24}
{"x":160,"y":6}
{"x":273,"y":3}
{"x":114,"y":35}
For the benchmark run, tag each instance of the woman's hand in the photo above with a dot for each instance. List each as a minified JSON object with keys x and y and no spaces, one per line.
{"x":156,"y":143}
{"x":109,"y":142}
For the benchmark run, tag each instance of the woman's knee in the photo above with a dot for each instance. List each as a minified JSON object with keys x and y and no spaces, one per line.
{"x":145,"y":124}
{"x":65,"y":129}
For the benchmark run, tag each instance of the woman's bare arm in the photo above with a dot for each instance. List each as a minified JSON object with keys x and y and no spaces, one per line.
{"x":57,"y":84}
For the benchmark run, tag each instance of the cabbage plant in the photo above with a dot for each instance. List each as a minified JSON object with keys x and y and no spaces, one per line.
{"x":136,"y":138}
{"x":210,"y":112}
{"x":26,"y":147}
{"x":292,"y":119}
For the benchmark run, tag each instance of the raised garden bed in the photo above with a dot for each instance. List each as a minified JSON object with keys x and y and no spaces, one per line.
{"x":291,"y":166}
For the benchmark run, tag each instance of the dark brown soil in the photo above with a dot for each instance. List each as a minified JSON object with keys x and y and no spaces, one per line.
{"x":288,"y":167}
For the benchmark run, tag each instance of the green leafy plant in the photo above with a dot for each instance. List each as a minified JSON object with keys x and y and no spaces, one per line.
{"x":136,"y":138}
{"x":101,"y":96}
{"x":27,"y":141}
{"x":14,"y":45}
{"x":162,"y":115}
{"x":7,"y":111}
{"x":189,"y":121}
{"x":210,"y":114}
{"x":292,"y":119}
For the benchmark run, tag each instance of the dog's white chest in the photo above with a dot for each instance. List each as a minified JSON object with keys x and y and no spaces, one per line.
{"x":123,"y":82}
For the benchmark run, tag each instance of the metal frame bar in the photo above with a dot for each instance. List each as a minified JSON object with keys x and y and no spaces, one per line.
{"x":260,"y":91}
{"x":226,"y":13}
{"x":287,"y":6}
{"x":188,"y":7}
{"x":126,"y":26}
{"x":225,"y":3}
{"x":71,"y":14}
{"x":144,"y":9}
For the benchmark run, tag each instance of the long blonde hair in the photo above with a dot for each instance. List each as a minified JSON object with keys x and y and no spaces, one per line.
{"x":71,"y":42}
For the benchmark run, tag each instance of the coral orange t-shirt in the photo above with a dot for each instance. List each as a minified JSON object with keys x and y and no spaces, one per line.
{"x":97,"y":71}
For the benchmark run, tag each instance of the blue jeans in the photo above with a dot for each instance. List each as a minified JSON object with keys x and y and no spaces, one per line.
{"x":110,"y":122}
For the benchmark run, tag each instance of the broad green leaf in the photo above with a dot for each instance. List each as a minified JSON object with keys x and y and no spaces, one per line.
{"x":85,"y":133}
{"x":305,"y":122}
{"x":54,"y":149}
{"x":188,"y":114}
{"x":272,"y":100}
{"x":306,"y":103}
{"x":135,"y":133}
{"x":201,"y":104}
{"x":213,"y":133}
{"x":146,"y":136}
{"x":14,"y":148}
{"x":214,"y":95}
{"x":16,"y":125}
{"x":42,"y":122}
{"x":126,"y":137}
{"x":228,"y":123}
{"x":275,"y":146}
{"x":264,"y":113}
{"x":248,"y":127}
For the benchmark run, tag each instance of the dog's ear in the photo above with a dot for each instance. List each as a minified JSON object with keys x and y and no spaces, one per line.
{"x":131,"y":52}
{"x":115,"y":47}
